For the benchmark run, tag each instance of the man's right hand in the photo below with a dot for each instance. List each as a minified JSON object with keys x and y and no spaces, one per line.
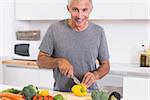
{"x":65,"y":67}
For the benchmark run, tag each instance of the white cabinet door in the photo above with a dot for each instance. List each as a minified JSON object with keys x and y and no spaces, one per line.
{"x":20,"y":76}
{"x":139,"y":9}
{"x":46,"y":79}
{"x":110,"y":9}
{"x":40,"y":9}
{"x":120,"y":9}
{"x":103,"y":9}
{"x":136,"y":88}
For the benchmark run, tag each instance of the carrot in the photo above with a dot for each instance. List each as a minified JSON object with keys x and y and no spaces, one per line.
{"x":12,"y":96}
{"x":5,"y":98}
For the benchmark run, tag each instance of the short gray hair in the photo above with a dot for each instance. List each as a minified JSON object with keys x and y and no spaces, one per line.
{"x":69,"y":1}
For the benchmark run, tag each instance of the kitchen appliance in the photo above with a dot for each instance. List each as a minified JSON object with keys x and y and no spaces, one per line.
{"x":26,"y":50}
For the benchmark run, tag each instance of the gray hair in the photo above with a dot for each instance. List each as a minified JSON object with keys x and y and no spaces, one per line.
{"x":69,"y":1}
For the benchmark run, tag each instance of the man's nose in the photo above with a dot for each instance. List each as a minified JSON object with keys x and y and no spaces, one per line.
{"x":79,"y":15}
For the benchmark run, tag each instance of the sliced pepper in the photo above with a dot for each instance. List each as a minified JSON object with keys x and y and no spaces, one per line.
{"x":79,"y":90}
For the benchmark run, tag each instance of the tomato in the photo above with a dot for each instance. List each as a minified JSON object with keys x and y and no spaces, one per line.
{"x":35,"y":98}
{"x":48,"y":97}
{"x":40,"y":97}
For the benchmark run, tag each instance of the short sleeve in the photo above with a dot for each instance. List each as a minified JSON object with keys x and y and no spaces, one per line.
{"x":103,"y":53}
{"x":47,"y":42}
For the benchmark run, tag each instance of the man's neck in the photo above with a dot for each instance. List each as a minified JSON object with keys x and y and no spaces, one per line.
{"x":76,"y":28}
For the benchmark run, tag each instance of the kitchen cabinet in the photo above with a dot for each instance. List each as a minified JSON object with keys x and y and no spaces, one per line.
{"x":120,"y":9}
{"x":136,"y":88}
{"x":111,"y":9}
{"x":103,"y":9}
{"x":20,"y":76}
{"x":139,"y":9}
{"x":46,"y":79}
{"x":40,"y":9}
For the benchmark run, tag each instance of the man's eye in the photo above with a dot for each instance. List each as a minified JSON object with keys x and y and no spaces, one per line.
{"x":84,"y":10}
{"x":74,"y":9}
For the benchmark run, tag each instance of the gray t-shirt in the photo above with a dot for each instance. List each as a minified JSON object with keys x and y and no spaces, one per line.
{"x":80,"y":48}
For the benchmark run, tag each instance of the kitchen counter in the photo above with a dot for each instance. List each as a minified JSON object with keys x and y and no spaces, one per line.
{"x":67,"y":95}
{"x":115,"y":68}
{"x":129,"y":70}
{"x":131,"y":74}
{"x":21,"y":63}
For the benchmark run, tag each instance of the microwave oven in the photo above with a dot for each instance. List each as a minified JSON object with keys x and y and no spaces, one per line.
{"x":26,"y":50}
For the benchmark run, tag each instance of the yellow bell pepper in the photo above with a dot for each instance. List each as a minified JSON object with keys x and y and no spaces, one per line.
{"x":43,"y":92}
{"x":79,"y":90}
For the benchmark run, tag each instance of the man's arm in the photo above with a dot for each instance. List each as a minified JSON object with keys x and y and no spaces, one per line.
{"x":48,"y":62}
{"x":102,"y":70}
{"x":91,"y":77}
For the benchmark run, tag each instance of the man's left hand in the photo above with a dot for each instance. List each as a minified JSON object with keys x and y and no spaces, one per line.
{"x":89,"y":78}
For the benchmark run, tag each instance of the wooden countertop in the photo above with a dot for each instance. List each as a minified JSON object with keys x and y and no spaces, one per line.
{"x":23,"y":63}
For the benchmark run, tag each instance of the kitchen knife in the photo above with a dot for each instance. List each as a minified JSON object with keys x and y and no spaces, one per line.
{"x":75,"y":79}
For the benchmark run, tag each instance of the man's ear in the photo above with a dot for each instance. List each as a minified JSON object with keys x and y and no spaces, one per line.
{"x":67,"y":7}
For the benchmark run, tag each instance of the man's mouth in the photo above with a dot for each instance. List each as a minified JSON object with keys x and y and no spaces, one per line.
{"x":79,"y":20}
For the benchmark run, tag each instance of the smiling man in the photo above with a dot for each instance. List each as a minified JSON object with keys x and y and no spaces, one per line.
{"x":71,"y":47}
{"x":79,"y":11}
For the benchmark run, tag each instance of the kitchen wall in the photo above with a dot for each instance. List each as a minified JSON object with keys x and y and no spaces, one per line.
{"x":6,"y":27}
{"x":124,"y":37}
{"x":149,"y":33}
{"x":4,"y":13}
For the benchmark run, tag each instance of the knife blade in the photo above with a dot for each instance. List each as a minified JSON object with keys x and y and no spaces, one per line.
{"x":76,"y":80}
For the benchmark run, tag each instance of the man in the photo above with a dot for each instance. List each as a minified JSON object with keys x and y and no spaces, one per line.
{"x":71,"y":47}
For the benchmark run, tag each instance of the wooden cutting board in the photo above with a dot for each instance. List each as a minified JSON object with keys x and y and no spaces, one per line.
{"x":68,"y":95}
{"x":71,"y":96}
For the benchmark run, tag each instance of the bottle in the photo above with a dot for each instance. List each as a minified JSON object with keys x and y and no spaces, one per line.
{"x":148,"y":57}
{"x":143,"y":57}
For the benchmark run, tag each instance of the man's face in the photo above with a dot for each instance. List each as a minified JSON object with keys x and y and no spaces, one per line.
{"x":79,"y":11}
